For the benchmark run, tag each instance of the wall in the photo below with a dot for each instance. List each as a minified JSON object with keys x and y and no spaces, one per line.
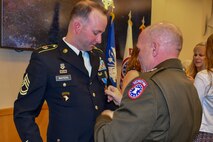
{"x":13,"y":65}
{"x":189,"y":15}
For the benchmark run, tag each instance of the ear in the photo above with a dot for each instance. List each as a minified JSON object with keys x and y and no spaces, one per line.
{"x":155,"y":48}
{"x":77,"y":26}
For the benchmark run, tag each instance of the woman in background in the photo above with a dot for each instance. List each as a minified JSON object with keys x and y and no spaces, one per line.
{"x":198,"y":61}
{"x":203,"y":83}
{"x":133,"y":63}
{"x":132,"y":69}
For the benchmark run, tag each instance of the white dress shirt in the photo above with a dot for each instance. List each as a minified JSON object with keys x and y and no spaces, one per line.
{"x":85,"y":56}
{"x":205,"y":91}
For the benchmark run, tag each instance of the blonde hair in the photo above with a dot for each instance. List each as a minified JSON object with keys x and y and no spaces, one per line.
{"x":192,"y":70}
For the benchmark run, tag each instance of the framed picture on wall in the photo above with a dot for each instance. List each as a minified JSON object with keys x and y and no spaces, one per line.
{"x":29,"y":24}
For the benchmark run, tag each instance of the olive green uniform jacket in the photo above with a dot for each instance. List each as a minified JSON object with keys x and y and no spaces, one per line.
{"x":161,"y":105}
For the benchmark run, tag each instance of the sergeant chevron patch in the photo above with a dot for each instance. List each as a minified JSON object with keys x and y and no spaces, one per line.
{"x":25,"y":85}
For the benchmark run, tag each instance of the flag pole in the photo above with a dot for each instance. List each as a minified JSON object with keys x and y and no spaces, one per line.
{"x":128,"y":49}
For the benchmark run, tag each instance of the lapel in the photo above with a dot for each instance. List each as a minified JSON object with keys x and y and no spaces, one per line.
{"x":69,"y":56}
{"x":94,"y":61}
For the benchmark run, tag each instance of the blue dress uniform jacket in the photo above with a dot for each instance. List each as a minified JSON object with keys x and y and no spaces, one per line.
{"x":161,"y":105}
{"x":56,"y":74}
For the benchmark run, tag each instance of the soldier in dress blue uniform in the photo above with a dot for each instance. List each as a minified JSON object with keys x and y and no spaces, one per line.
{"x":72,"y":86}
{"x":161,"y":104}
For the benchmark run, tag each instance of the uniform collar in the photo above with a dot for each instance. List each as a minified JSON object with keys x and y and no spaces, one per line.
{"x":170,"y":63}
{"x":70,"y":56}
{"x":71,"y":46}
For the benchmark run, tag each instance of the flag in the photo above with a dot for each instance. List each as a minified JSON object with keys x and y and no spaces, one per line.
{"x":128,"y":49}
{"x":111,"y":53}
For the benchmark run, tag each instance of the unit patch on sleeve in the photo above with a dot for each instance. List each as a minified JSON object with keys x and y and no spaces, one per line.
{"x":138,"y":87}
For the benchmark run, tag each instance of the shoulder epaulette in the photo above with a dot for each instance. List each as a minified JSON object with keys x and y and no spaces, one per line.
{"x":47,"y":48}
{"x":97,"y":49}
{"x":152,"y":72}
{"x":156,"y":71}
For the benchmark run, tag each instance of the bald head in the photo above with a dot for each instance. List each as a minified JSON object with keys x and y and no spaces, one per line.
{"x":168,"y":35}
{"x":158,"y":43}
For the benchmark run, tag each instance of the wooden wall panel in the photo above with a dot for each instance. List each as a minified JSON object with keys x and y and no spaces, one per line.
{"x":7,"y":127}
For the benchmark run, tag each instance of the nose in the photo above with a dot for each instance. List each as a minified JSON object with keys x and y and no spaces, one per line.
{"x":99,"y":39}
{"x":196,"y":56}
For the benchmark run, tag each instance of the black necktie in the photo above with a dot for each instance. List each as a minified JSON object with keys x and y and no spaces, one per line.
{"x":85,"y":61}
{"x":81,"y":57}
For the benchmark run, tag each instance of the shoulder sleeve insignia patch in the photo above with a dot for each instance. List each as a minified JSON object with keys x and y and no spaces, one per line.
{"x":25,"y":85}
{"x":137,"y":89}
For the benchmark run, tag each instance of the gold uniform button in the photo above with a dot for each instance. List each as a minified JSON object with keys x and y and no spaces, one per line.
{"x":65,"y":50}
{"x":93,"y":94}
{"x":96,"y":107}
{"x":64,"y":84}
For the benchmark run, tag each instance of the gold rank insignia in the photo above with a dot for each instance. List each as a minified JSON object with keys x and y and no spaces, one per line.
{"x":25,"y":85}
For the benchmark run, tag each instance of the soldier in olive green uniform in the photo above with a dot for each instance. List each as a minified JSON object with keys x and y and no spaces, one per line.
{"x":160,"y":104}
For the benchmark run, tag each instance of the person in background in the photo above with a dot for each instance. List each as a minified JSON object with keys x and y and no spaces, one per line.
{"x":198,"y":61}
{"x":204,"y":84}
{"x":133,"y":62}
{"x":159,"y":104}
{"x":132,"y":66}
{"x":70,"y":76}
